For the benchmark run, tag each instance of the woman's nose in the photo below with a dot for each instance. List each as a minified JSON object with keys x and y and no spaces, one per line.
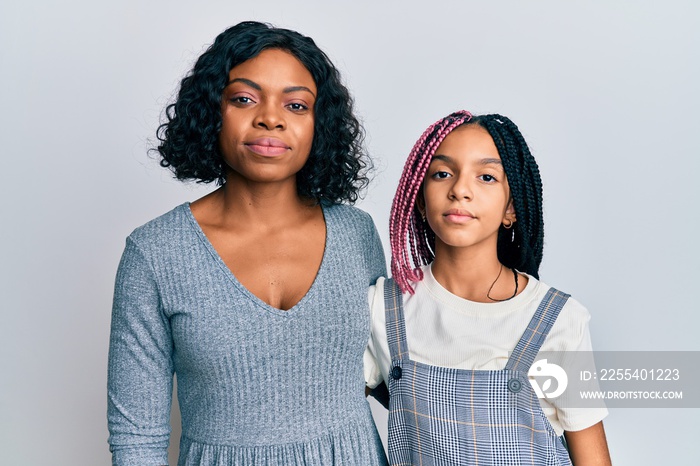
{"x":269,"y":117}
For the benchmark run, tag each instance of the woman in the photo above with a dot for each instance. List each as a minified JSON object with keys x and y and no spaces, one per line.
{"x":256,"y":294}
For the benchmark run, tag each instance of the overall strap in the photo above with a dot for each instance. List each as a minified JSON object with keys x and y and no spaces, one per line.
{"x":395,"y":326}
{"x":529,"y":345}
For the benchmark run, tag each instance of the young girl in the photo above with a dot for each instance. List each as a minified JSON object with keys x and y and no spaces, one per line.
{"x":254,"y":295}
{"x":455,"y":331}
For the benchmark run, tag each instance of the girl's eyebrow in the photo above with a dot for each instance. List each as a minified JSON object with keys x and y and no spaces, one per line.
{"x":444,"y":158}
{"x":257,"y":87}
{"x":488,"y":161}
{"x":448,"y":159}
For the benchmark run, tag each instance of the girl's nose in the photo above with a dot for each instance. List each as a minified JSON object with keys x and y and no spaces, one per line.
{"x":460,"y":190}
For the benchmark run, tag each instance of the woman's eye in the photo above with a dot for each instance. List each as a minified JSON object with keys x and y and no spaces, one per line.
{"x":242,"y":99}
{"x":487,"y":178}
{"x":297,"y":107}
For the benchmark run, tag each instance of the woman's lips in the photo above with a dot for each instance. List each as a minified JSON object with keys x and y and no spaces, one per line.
{"x":267,"y":147}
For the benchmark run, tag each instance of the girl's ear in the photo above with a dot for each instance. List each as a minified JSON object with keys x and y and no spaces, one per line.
{"x":420,"y":203}
{"x":509,"y":217}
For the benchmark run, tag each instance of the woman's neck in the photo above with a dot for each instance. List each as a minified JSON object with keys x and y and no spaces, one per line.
{"x":243,"y":204}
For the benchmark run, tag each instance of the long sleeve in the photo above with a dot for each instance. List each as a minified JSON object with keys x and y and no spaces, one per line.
{"x":378,"y":271}
{"x":140,"y":374}
{"x":375,"y":251}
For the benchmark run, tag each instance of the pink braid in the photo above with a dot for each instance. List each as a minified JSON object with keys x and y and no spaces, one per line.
{"x":406,"y":224}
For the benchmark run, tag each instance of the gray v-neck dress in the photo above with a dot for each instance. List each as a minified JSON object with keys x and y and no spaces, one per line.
{"x":256,"y":385}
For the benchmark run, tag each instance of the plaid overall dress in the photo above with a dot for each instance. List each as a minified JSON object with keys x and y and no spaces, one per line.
{"x":443,"y":416}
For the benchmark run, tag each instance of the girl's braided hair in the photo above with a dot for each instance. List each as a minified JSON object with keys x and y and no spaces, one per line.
{"x":412,"y":240}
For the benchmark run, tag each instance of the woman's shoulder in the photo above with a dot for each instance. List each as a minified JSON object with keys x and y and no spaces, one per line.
{"x":166,"y":228}
{"x":350,"y":219}
{"x":347,"y":213}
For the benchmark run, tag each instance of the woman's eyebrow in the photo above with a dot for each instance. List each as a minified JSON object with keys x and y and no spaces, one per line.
{"x":289,"y":89}
{"x":257,"y":86}
{"x":250,"y":83}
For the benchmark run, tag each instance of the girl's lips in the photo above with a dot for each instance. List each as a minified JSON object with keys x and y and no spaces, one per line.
{"x":458,"y":216}
{"x":268,"y":147}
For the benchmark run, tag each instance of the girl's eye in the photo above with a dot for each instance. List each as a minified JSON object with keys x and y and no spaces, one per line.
{"x":441,"y":175}
{"x":487,"y":178}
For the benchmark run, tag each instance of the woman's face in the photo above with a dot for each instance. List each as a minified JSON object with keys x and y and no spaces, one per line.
{"x":267,"y":111}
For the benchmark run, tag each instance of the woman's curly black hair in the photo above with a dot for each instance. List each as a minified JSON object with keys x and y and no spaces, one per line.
{"x":337,"y":167}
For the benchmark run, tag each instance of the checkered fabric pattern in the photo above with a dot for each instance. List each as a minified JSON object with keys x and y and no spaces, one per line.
{"x":443,"y":416}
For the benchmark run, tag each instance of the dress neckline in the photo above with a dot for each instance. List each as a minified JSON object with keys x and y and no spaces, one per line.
{"x":300,"y":305}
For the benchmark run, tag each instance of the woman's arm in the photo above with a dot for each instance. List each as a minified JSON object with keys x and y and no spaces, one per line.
{"x":588,"y":447}
{"x":376,"y":259}
{"x":140,"y":372}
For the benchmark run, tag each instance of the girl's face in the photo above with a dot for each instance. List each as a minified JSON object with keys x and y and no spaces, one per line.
{"x":267,"y":111}
{"x":466,"y":196}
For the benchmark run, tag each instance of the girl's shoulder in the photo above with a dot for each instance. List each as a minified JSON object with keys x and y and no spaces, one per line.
{"x":570,"y":331}
{"x":375,"y":296}
{"x":572,"y":307}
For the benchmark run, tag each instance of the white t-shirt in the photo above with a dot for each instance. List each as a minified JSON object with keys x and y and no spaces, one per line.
{"x":445,"y":330}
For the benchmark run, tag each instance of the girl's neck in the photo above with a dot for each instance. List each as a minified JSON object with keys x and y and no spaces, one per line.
{"x":474,"y":274}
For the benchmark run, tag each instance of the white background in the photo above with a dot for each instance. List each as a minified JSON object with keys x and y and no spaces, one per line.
{"x":603,"y":92}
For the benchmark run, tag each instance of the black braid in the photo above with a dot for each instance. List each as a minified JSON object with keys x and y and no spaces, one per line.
{"x":525,"y":253}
